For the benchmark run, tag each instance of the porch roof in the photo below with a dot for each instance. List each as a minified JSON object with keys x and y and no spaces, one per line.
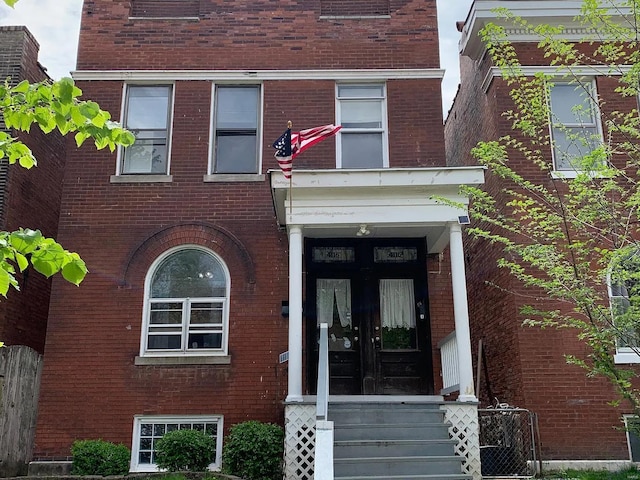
{"x":374,"y":203}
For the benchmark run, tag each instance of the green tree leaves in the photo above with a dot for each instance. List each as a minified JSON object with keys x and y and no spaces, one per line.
{"x":25,"y":246}
{"x":573,"y":237}
{"x":49,"y":106}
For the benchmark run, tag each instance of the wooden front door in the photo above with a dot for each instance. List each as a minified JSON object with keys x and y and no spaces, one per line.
{"x":373,"y":296}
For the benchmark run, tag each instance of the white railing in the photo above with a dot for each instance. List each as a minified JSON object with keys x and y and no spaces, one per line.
{"x":323,"y":461}
{"x":322,"y":399}
{"x":449,"y":359}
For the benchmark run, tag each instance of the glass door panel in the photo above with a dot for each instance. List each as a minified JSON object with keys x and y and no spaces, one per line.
{"x":397,"y":314}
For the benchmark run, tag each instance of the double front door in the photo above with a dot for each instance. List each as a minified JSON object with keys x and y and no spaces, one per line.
{"x":373,"y":297}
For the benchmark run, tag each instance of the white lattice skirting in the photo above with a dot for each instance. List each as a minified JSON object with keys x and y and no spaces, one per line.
{"x":465,"y":429}
{"x":299,"y":440}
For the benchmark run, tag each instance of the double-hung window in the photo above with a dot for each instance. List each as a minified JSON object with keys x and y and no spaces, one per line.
{"x":236,"y":132}
{"x":574,"y":124}
{"x":361,"y":110}
{"x":148,"y":115}
{"x":186,"y":310}
{"x":624,"y":298}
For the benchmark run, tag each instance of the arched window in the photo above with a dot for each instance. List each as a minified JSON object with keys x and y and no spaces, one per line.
{"x":624,"y":298}
{"x":186,"y":304}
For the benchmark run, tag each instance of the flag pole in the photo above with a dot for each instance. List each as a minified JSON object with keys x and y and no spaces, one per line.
{"x":289,"y":125}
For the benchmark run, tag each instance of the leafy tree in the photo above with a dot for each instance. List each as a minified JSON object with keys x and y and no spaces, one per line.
{"x":571,"y":239}
{"x":50,"y":106}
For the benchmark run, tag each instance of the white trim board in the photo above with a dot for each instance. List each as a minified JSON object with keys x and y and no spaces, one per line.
{"x":259,"y":75}
{"x":557,"y":71}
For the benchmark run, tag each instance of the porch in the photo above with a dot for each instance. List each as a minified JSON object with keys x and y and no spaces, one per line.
{"x":379,"y":212}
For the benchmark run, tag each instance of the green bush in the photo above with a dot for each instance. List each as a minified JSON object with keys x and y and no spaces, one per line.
{"x":253,"y":450}
{"x":97,"y":457}
{"x":181,"y":450}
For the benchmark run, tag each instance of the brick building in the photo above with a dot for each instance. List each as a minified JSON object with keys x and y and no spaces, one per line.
{"x":208,"y":269}
{"x":28,"y":199}
{"x":525,"y":367}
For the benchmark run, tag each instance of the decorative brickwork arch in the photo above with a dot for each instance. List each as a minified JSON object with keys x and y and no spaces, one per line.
{"x":213,"y":237}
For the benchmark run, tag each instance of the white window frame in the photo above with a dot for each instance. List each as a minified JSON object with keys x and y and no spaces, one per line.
{"x":385,"y":124}
{"x":623,"y":354}
{"x":139,"y":420}
{"x":211,"y":174}
{"x":124,"y":110}
{"x":596,"y":125}
{"x":146,"y":314}
{"x":628,"y":418}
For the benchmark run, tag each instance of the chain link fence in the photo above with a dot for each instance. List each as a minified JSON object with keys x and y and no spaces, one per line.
{"x":508,"y":442}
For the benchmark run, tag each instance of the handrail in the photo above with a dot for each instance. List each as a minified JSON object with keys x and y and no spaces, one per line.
{"x":323,"y":454}
{"x":322,"y":397}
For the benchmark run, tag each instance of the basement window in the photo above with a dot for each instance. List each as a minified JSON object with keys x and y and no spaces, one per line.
{"x":147,"y":430}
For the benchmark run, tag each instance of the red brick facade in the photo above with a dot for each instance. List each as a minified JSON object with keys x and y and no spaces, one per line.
{"x":525,"y":366}
{"x":91,"y":385}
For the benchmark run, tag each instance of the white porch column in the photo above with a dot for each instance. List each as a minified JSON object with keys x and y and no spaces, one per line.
{"x":461,"y":314}
{"x":295,"y":314}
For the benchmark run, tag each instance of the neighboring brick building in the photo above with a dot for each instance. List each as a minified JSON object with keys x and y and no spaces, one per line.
{"x":526,"y":366}
{"x":195,"y":246}
{"x":28,"y":198}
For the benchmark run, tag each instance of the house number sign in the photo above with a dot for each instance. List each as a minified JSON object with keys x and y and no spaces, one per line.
{"x":395,"y":254}
{"x":333,"y":254}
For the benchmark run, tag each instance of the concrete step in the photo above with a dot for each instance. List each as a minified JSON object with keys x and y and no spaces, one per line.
{"x":400,"y":431}
{"x":393,"y":448}
{"x":381,"y":413}
{"x":393,"y":441}
{"x":411,"y":477}
{"x":374,"y":467}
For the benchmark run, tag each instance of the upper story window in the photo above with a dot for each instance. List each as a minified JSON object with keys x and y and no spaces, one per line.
{"x":575,"y":127}
{"x":362,"y":112}
{"x":624,"y":298}
{"x":236,"y":132}
{"x":147,"y":113}
{"x":186,"y":305}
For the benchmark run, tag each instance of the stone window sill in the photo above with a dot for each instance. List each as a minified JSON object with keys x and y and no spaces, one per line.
{"x":185,"y":360}
{"x":234,"y":177}
{"x":141,"y":178}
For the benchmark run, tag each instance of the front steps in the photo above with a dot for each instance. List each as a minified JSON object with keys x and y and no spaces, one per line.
{"x":392,"y":441}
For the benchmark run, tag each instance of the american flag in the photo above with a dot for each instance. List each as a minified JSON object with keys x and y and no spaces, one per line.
{"x":291,"y":144}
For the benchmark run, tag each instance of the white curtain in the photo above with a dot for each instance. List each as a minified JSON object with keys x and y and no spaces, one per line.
{"x":328,"y":291}
{"x":397,"y":303}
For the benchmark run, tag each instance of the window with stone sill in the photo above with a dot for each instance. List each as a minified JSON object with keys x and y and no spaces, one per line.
{"x":186,"y":305}
{"x":147,"y":113}
{"x":362,"y":141}
{"x":147,"y":430}
{"x":624,"y":299}
{"x":236,"y":129}
{"x":574,"y":125}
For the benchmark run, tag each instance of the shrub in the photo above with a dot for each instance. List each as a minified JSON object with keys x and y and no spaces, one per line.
{"x":253,"y":450}
{"x":181,"y":450}
{"x":97,"y":457}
